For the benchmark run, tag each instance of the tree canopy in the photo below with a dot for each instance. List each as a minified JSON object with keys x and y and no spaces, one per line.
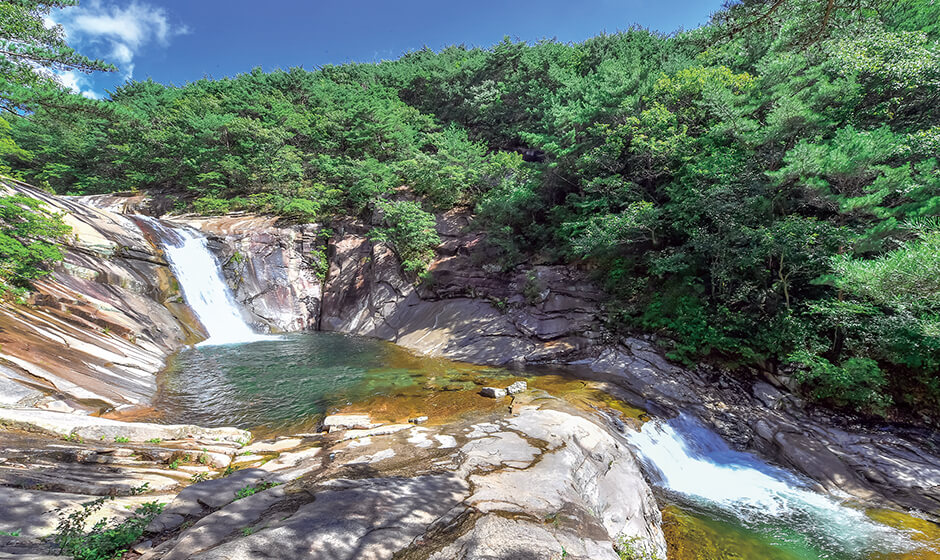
{"x":29,"y":53}
{"x":762,"y":190}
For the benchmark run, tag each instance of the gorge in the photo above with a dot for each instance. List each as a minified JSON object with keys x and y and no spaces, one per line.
{"x":629,"y":295}
{"x":625,"y":444}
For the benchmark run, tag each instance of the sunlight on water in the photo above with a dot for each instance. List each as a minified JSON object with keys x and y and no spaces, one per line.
{"x":694,"y":463}
{"x":288,"y":384}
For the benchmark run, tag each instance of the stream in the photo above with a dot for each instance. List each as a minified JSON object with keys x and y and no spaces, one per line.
{"x":719,"y":503}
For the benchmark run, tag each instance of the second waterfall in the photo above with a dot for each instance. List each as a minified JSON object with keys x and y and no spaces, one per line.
{"x":204,"y":289}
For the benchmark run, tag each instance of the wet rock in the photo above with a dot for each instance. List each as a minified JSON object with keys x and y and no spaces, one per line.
{"x":272,"y":268}
{"x":99,"y":325}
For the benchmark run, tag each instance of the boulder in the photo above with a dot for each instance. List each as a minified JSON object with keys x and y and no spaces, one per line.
{"x":493,"y":392}
{"x":517,"y":387}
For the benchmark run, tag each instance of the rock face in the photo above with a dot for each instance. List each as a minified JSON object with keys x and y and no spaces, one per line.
{"x":93,"y":428}
{"x":272,"y":269}
{"x":101,"y":324}
{"x":536,"y":314}
{"x":459,"y":491}
{"x":44,"y":477}
{"x":896,"y":469}
{"x":99,"y":327}
{"x":530,"y":315}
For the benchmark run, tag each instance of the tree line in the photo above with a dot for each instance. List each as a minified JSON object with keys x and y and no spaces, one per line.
{"x":763,"y":190}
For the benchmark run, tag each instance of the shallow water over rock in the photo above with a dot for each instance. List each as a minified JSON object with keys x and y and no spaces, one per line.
{"x":288,"y":385}
{"x":277,"y":386}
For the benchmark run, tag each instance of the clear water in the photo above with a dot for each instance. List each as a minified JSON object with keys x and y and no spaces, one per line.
{"x":746,"y":508}
{"x":278,"y":385}
{"x":733,"y":505}
{"x":200,"y":279}
{"x":698,"y":470}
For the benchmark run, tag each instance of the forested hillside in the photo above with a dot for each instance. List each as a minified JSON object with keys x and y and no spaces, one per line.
{"x":764,"y":190}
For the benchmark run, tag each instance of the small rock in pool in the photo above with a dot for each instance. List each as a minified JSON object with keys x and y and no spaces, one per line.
{"x":493,"y":392}
{"x":517,"y":387}
{"x":419,"y":420}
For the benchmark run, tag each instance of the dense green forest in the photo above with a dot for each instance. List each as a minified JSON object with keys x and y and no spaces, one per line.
{"x":763,"y":190}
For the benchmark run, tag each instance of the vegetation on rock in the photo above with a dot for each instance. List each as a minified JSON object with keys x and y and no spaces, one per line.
{"x":758,"y":190}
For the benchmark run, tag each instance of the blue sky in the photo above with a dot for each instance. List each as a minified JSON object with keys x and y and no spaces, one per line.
{"x":177,"y":41}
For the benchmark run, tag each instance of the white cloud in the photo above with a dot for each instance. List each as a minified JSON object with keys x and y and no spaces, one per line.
{"x":78,"y":82}
{"x":117,"y":33}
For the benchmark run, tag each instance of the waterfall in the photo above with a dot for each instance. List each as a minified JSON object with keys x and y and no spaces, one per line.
{"x":200,"y":279}
{"x":693,"y":463}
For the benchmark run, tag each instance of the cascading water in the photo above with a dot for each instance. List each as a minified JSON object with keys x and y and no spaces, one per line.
{"x":200,"y":280}
{"x":697,"y":466}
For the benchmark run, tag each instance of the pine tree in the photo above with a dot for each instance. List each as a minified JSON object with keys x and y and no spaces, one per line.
{"x":30,"y":51}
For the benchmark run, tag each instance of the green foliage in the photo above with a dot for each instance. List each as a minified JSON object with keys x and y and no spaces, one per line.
{"x":857,"y":382}
{"x":29,"y":49}
{"x":744,"y":190}
{"x":107,"y":538}
{"x":28,"y":233}
{"x":252,"y":490}
{"x":410,"y":230}
{"x":634,"y":548}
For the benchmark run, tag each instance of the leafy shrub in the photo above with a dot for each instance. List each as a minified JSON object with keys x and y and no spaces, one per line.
{"x":411,"y":231}
{"x":108,"y":538}
{"x":28,"y":235}
{"x":634,"y":548}
{"x":211,"y":206}
{"x":857,"y":382}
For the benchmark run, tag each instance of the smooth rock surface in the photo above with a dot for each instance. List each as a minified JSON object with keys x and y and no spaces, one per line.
{"x":95,"y":428}
{"x":102,"y":323}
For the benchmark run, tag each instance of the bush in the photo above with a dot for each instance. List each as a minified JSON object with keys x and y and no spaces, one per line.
{"x":411,"y":231}
{"x":108,"y":538}
{"x":27,"y":240}
{"x":857,"y":383}
{"x":211,"y":206}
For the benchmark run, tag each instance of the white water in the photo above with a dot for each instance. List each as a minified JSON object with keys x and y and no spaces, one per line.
{"x":687,"y":459}
{"x":205,"y":291}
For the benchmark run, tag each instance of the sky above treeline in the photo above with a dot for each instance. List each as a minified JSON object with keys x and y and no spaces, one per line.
{"x":179,"y":41}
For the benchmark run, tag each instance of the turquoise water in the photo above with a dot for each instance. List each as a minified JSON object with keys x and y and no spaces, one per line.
{"x":275,"y":385}
{"x":731,"y":505}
